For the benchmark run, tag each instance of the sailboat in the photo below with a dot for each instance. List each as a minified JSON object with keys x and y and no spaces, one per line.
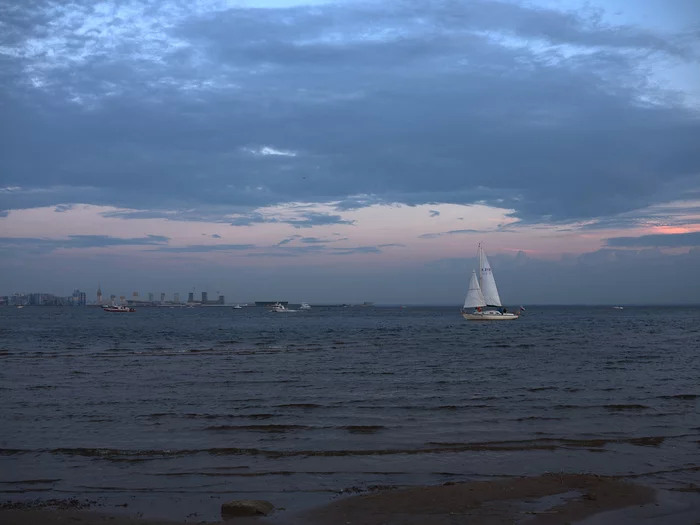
{"x":483,"y":295}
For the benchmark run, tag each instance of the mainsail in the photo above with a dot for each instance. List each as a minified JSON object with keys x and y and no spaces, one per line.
{"x":488,"y":283}
{"x":474,"y":297}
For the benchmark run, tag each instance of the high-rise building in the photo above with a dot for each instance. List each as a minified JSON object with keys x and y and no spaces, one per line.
{"x":176,"y":297}
{"x":162,"y":297}
{"x":205,"y":297}
{"x":150,"y":296}
{"x":190,"y":297}
{"x":99,"y":294}
{"x":79,"y":298}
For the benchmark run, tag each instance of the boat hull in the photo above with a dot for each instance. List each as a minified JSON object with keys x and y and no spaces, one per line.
{"x":490,"y":316}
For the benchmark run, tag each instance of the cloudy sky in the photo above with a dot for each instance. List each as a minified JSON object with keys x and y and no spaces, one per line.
{"x":351,"y":150}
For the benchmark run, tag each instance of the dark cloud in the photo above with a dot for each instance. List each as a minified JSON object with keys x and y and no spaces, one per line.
{"x":665,"y":240}
{"x":305,"y":220}
{"x":205,"y":248}
{"x":363,"y":249}
{"x":434,"y":213}
{"x":287,"y":240}
{"x":216,"y":236}
{"x":313,"y":240}
{"x":313,"y":245}
{"x":78,"y":242}
{"x":272,"y":254}
{"x":674,"y":215}
{"x":451,"y":232}
{"x":358,"y":249}
{"x":309,"y":220}
{"x":63,"y":208}
{"x":552,"y":114}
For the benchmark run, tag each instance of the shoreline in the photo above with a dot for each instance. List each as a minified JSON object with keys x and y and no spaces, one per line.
{"x":547,"y":499}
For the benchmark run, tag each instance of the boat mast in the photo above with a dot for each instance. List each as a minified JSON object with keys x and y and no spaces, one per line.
{"x":481,"y":266}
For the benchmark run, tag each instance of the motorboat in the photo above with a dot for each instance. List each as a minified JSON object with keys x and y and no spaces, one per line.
{"x":119,"y":308}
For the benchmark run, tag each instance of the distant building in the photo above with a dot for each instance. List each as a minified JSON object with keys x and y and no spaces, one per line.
{"x":99,"y":294}
{"x":162,"y":297}
{"x":205,"y":297}
{"x":79,"y":298}
{"x":150,"y":296}
{"x":176,"y":297}
{"x":190,"y":297}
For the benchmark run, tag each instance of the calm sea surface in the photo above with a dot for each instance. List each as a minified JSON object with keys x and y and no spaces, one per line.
{"x":175,"y":410}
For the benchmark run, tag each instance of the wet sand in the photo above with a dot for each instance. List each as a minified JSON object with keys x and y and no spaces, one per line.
{"x":540,"y":500}
{"x":500,"y":502}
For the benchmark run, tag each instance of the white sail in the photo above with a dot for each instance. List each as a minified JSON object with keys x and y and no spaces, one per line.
{"x":488,"y":283}
{"x":474,"y":297}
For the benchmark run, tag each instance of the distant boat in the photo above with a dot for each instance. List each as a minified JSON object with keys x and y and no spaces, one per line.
{"x":237,"y":307}
{"x":119,"y":309}
{"x":305,"y":306}
{"x":280,"y":308}
{"x":483,"y":295}
{"x":20,"y":306}
{"x":618,"y":307}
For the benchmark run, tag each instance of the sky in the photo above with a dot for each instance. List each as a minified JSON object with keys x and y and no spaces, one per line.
{"x":351,"y":150}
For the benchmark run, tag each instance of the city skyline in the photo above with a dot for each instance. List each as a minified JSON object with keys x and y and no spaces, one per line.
{"x":345,"y":151}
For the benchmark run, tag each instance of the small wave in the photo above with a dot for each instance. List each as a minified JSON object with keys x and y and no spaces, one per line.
{"x":300,"y":405}
{"x":31,"y":482}
{"x":538,"y":418}
{"x":618,"y":408}
{"x":363,"y":429}
{"x":259,"y":428}
{"x":228,"y":416}
{"x":451,"y":407}
{"x":542,"y":388}
{"x":684,"y":397}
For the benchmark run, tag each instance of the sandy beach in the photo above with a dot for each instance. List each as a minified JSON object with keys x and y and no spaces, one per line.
{"x":549,"y":499}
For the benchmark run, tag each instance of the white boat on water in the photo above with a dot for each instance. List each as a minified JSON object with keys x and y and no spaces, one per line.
{"x":618,"y":307}
{"x":483,"y":296}
{"x":305,"y":306}
{"x":280,"y":308}
{"x":118,"y":309}
{"x":237,"y":307}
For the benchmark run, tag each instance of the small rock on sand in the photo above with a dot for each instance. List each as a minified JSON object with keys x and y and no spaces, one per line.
{"x":246,"y":507}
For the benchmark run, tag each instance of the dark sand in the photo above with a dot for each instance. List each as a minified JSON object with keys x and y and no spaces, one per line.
{"x":542,"y":500}
{"x":498,"y":502}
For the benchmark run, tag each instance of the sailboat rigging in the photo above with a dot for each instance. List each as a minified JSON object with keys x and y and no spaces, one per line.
{"x":483,"y":295}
